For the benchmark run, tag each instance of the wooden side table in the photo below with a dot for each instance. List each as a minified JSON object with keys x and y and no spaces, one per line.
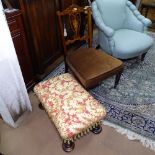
{"x":146,"y":6}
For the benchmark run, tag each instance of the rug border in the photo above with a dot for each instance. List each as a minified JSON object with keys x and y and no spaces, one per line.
{"x":131,"y":135}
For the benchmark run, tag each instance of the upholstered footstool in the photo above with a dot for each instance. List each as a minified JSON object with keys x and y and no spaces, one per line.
{"x":70,"y":107}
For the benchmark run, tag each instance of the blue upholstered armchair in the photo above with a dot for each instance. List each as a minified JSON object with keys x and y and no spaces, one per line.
{"x":121,"y":28}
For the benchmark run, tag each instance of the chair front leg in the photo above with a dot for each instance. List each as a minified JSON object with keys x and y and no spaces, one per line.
{"x":117,"y":78}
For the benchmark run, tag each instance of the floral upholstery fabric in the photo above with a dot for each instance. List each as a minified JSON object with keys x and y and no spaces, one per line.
{"x":71,"y":108}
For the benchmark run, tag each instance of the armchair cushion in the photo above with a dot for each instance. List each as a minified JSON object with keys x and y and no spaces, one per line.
{"x":129,"y":43}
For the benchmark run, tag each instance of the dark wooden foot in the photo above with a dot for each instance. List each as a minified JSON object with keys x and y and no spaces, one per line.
{"x":68,"y":147}
{"x":40,"y":106}
{"x":117,"y":79}
{"x":97,"y":129}
{"x":143,"y":56}
{"x":1,"y":153}
{"x":98,"y":47}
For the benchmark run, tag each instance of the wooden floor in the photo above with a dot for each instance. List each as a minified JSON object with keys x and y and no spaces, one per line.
{"x":37,"y":136}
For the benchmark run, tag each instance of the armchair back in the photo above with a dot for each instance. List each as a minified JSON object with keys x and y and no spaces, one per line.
{"x":113,"y":12}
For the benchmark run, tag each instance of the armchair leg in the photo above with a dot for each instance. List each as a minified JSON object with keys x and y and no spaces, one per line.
{"x":143,"y":56}
{"x":98,"y":47}
{"x":117,"y":79}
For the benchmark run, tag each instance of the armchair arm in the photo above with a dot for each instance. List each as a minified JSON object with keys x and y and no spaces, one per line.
{"x":145,"y":21}
{"x":108,"y":31}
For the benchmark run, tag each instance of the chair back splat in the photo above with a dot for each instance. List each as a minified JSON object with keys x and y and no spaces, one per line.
{"x":71,"y":23}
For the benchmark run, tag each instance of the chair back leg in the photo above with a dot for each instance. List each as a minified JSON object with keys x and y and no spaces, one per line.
{"x":66,"y":67}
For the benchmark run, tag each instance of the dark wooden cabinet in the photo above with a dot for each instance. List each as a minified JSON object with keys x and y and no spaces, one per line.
{"x":42,"y":32}
{"x":66,"y":3}
{"x":15,"y":24}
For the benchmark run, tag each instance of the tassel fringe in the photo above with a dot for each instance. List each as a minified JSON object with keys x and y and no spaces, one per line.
{"x":81,"y":134}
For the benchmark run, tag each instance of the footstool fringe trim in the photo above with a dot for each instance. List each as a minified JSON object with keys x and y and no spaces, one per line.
{"x":81,"y":134}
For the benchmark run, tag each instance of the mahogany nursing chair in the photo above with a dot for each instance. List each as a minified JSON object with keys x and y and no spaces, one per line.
{"x":88,"y":65}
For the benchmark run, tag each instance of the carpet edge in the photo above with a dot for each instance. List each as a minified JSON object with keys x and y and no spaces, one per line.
{"x":148,"y":143}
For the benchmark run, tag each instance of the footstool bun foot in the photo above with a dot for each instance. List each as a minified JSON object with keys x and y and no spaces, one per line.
{"x":68,"y":146}
{"x":97,"y":129}
{"x":40,"y":106}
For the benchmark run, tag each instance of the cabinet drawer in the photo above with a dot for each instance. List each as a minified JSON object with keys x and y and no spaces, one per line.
{"x":14,"y":21}
{"x":13,"y":25}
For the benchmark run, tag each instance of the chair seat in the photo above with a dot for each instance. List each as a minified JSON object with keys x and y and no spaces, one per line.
{"x":71,"y":108}
{"x":91,"y":66}
{"x":129,"y":43}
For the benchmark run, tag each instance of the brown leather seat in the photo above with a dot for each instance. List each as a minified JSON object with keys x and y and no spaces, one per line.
{"x":91,"y":66}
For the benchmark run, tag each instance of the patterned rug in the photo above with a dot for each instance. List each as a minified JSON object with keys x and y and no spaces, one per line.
{"x":132,"y":104}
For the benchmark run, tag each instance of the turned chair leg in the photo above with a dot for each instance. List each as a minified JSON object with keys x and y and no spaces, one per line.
{"x":97,"y":129}
{"x":117,"y":79}
{"x":41,"y":106}
{"x":143,"y":56}
{"x":68,"y":146}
